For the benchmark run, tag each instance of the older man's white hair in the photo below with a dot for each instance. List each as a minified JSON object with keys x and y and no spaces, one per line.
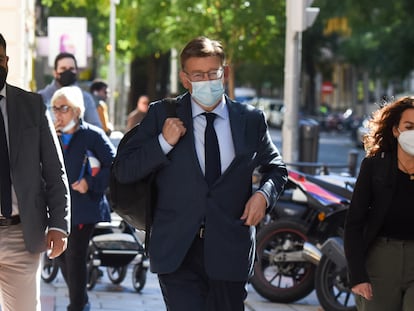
{"x":73,"y":95}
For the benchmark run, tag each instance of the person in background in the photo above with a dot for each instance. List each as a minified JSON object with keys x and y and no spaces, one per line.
{"x":65,"y":74}
{"x":379,"y":231}
{"x":88,"y":155}
{"x":136,"y":115}
{"x":35,"y":210}
{"x":99,"y":91}
{"x":202,"y":242}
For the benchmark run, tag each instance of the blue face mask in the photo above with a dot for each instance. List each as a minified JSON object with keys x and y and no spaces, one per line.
{"x":207,"y":93}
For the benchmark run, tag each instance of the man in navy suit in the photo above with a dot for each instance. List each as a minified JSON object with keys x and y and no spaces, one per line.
{"x":202,"y":240}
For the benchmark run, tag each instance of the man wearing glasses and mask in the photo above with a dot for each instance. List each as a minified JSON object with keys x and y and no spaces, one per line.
{"x":65,"y":74}
{"x":202,"y":239}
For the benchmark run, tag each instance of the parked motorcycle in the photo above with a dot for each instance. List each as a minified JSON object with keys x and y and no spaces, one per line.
{"x":287,"y":244}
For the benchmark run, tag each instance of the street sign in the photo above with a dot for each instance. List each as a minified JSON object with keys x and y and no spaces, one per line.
{"x":327,"y":88}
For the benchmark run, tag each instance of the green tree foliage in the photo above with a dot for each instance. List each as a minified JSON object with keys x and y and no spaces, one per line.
{"x":252,"y":31}
{"x":382,"y":35}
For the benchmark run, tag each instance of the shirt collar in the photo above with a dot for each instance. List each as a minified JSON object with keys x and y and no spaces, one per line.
{"x":221,"y":109}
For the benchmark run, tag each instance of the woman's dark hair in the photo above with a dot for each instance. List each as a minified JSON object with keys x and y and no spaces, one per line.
{"x":380,"y":137}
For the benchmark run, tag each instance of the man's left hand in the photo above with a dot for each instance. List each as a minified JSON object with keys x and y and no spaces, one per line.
{"x":254,"y":210}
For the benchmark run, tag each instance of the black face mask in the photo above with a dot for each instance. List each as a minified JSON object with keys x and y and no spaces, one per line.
{"x":3,"y":76}
{"x":67,"y":78}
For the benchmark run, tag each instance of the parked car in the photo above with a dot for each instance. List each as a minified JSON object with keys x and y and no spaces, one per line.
{"x":274,"y":110}
{"x":276,"y":113}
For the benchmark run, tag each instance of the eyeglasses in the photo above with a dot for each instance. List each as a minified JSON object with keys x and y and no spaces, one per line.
{"x":212,"y":75}
{"x":61,"y":109}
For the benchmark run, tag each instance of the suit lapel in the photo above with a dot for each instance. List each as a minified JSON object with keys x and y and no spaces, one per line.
{"x":237,"y":124}
{"x":237,"y":119}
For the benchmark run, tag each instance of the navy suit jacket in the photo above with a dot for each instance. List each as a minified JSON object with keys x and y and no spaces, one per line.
{"x":184,"y":199}
{"x":37,"y":168}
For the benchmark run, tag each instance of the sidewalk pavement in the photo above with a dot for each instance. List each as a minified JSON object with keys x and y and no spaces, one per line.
{"x":109,"y":297}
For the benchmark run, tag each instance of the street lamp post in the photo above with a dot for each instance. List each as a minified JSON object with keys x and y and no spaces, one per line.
{"x":299,"y":16}
{"x":112,"y":59}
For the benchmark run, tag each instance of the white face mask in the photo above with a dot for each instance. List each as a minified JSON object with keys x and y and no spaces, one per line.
{"x":207,"y":93}
{"x":68,"y":126}
{"x":406,"y":141}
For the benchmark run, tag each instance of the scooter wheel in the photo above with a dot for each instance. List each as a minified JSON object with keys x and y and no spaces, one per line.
{"x":116,"y":274}
{"x":139,"y":277}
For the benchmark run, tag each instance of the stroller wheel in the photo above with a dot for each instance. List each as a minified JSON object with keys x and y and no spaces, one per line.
{"x":93,"y":275}
{"x":116,"y":274}
{"x":139,"y":277}
{"x":49,"y":269}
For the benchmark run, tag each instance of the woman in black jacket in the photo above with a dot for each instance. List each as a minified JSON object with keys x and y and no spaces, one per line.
{"x":379,"y":230}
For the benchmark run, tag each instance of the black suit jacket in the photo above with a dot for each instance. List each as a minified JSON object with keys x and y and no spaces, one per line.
{"x":372,"y":197}
{"x":184,"y":200}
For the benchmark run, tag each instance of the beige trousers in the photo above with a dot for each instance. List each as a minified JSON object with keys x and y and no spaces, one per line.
{"x":19,"y":273}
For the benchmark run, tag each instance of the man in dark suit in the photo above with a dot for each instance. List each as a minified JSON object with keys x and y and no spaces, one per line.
{"x":202,"y":242}
{"x":34,"y":193}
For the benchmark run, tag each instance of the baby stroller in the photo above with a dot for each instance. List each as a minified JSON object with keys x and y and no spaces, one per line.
{"x":115,"y":245}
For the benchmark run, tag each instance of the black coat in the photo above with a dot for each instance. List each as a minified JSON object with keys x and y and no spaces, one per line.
{"x":372,"y":197}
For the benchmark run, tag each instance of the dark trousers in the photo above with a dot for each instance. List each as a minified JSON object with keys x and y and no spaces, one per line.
{"x":189,"y":288}
{"x":73,"y":266}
